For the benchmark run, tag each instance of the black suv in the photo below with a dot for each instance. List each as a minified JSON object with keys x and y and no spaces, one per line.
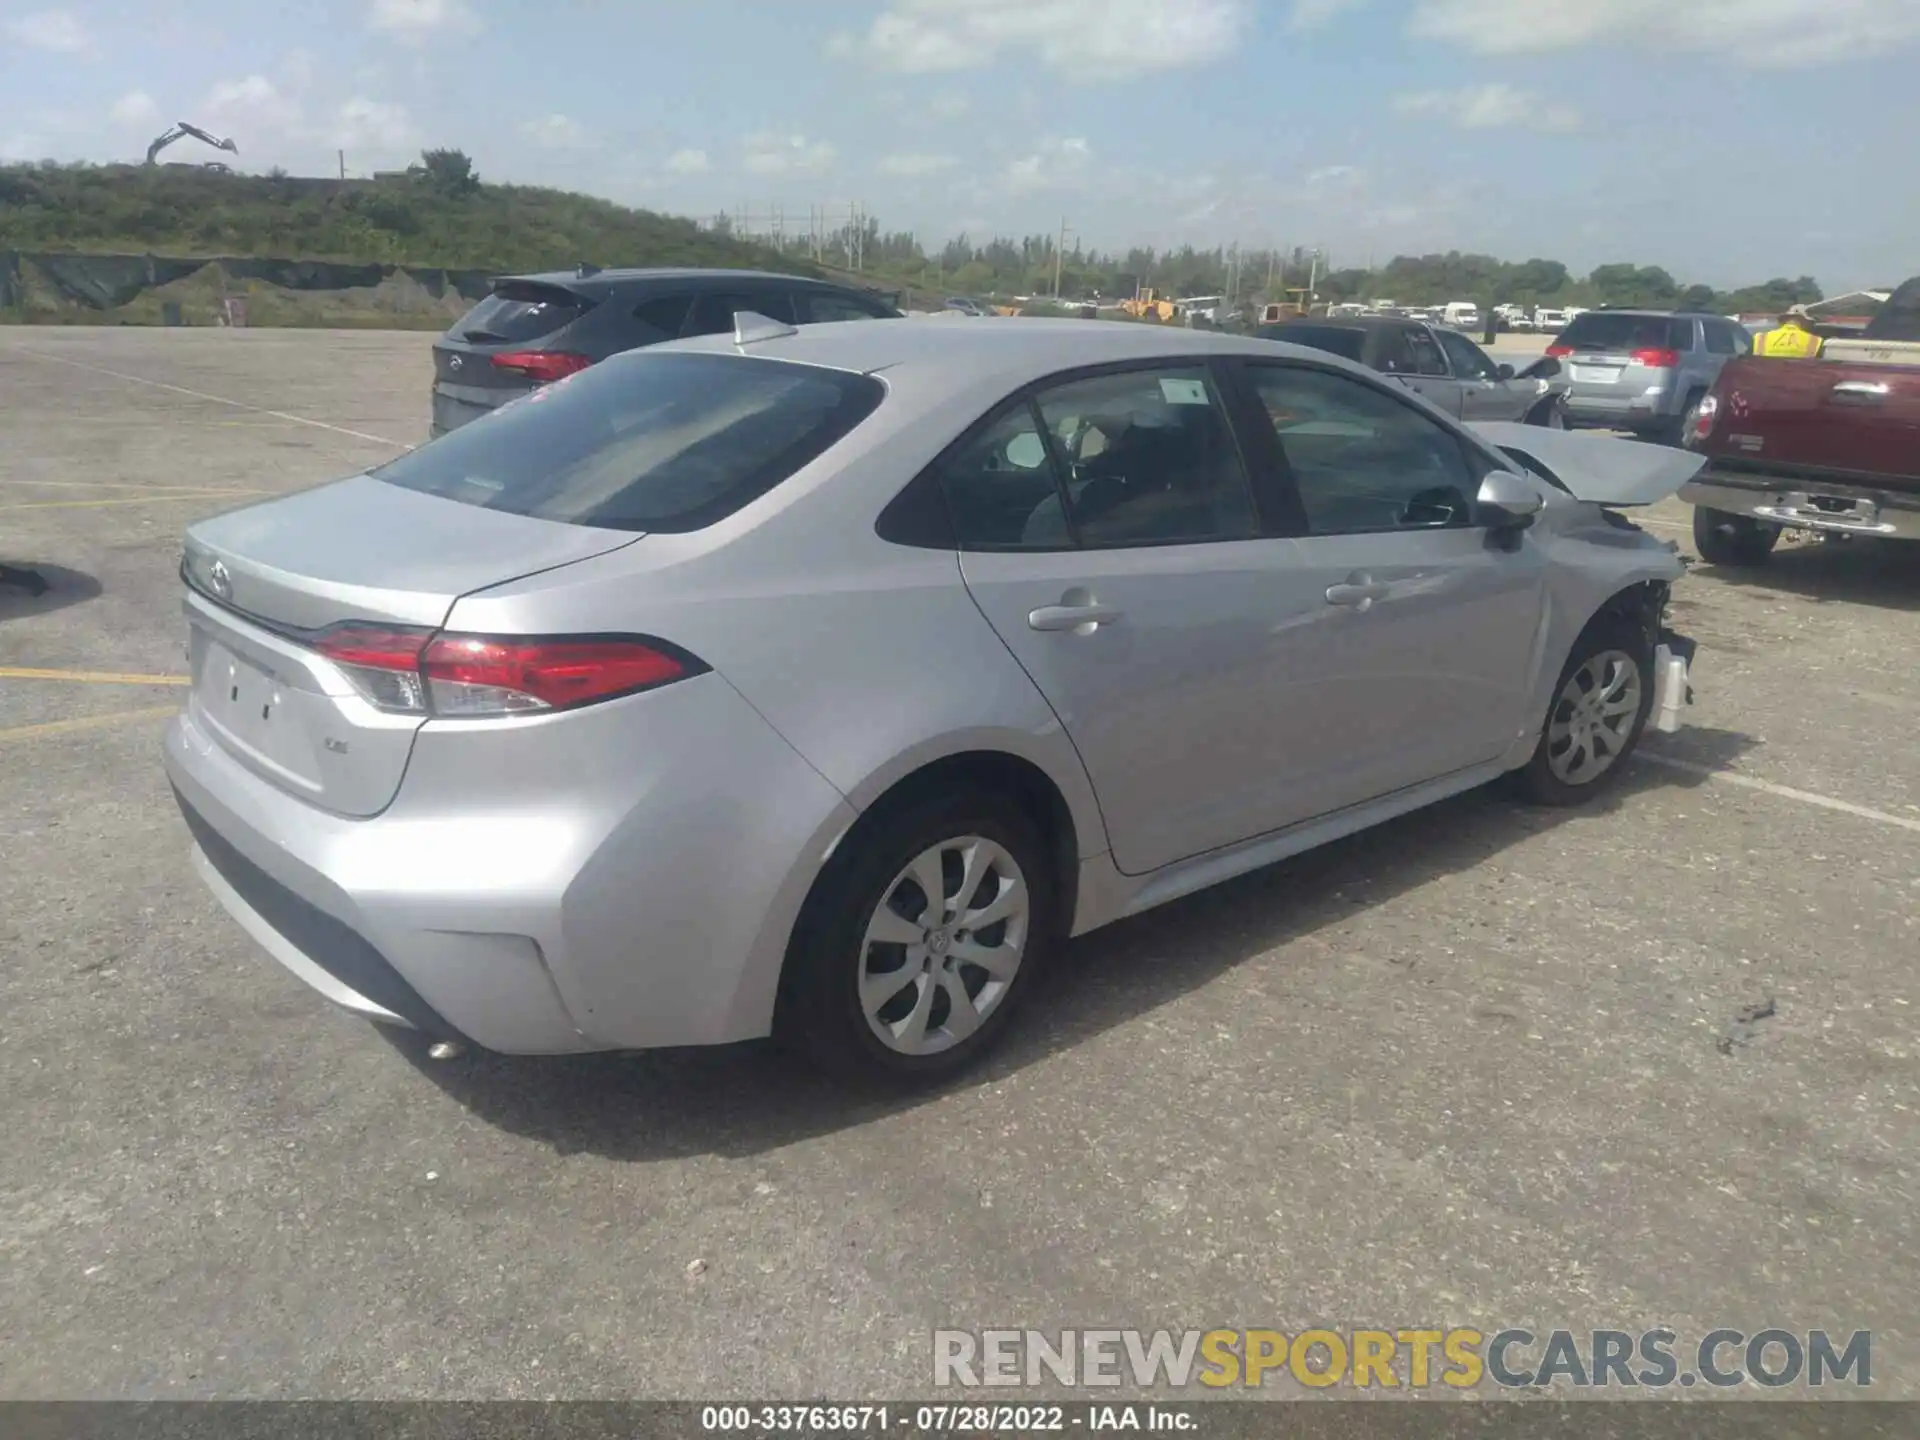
{"x":536,"y":328}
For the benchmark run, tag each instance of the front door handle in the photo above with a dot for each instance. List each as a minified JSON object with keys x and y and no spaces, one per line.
{"x":1358,"y":591}
{"x":1083,"y":619}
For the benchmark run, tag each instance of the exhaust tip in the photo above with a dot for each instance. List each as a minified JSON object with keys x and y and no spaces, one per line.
{"x":445,"y":1050}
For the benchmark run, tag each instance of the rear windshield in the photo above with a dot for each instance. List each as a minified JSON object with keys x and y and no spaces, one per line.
{"x":517,"y":312}
{"x":645,"y":441}
{"x":1334,"y":339}
{"x":1597,"y":331}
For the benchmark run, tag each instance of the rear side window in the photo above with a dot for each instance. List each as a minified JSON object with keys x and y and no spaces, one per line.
{"x":662,"y":318}
{"x":1602,"y":330}
{"x":1334,"y":339}
{"x":821,"y":307}
{"x":1721,"y":340}
{"x":645,"y":441}
{"x":713,"y":313}
{"x":517,"y":312}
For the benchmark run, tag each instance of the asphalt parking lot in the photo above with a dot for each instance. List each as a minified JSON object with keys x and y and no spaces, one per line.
{"x":1465,"y":1070}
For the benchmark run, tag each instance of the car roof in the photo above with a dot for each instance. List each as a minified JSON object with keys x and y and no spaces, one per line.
{"x":1008,"y":350}
{"x":626,"y":275}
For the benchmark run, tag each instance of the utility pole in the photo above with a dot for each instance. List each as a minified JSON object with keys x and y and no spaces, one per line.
{"x":1313,"y":275}
{"x":1271,"y":253}
{"x":1059,"y":252}
{"x":343,"y":163}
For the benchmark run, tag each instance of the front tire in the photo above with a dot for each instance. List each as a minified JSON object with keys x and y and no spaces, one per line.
{"x":1723,"y":538}
{"x":1599,"y":712}
{"x":887,"y":979}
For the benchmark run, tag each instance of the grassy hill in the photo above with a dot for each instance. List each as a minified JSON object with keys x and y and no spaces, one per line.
{"x":186,"y":210}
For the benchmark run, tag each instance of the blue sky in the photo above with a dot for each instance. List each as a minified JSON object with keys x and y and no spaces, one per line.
{"x":1728,"y":140}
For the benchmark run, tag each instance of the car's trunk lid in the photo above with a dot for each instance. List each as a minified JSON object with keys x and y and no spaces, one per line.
{"x":266,"y":580}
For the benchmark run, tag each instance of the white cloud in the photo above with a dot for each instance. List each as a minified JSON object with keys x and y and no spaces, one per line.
{"x":554,"y":132}
{"x":1056,"y":164}
{"x":1751,"y":32}
{"x":910,"y":165}
{"x":768,"y":153}
{"x":255,"y":101}
{"x":1312,"y":14}
{"x":1327,"y":174}
{"x":689,"y":162}
{"x":948,"y":105}
{"x":23,"y":145}
{"x":56,"y":30}
{"x":136,"y":107}
{"x":376,"y":125}
{"x":1489,"y":107}
{"x":416,"y":21}
{"x":1087,"y":39}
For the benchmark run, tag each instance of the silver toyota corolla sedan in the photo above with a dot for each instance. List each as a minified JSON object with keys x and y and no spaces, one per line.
{"x":820,"y":682}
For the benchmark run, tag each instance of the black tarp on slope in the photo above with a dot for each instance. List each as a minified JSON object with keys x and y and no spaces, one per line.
{"x":106,"y":282}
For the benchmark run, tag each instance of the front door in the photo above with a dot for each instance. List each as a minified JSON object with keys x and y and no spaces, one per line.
{"x":1483,"y":394}
{"x":1414,"y":654}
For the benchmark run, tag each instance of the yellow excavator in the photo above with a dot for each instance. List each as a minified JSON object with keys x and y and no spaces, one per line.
{"x":1146,"y":305}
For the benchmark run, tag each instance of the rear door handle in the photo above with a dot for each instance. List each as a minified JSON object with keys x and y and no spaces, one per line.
{"x":1084,"y":618}
{"x":1358,"y":591}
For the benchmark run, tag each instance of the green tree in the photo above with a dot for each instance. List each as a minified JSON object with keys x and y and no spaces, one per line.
{"x":450,"y":171}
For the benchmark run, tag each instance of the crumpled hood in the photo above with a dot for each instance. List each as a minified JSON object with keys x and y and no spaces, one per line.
{"x":1600,"y":469}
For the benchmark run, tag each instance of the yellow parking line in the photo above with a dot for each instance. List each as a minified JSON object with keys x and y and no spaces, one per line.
{"x":123,"y":485}
{"x":84,"y":722}
{"x":134,"y":500}
{"x":87,"y":677}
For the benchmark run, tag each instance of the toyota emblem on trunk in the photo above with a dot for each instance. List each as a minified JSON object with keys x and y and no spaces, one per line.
{"x":454,"y":362}
{"x":219,"y":579}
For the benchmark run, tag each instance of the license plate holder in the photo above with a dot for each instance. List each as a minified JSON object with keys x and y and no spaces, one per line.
{"x":1593,"y":374}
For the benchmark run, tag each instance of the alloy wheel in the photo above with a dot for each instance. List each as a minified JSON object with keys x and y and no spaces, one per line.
{"x":944,"y":944}
{"x":1593,"y":720}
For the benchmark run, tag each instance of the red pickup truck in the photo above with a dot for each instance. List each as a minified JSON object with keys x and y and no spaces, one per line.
{"x":1830,"y":445}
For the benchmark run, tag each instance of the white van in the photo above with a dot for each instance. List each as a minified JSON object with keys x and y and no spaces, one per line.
{"x":1461,"y":315}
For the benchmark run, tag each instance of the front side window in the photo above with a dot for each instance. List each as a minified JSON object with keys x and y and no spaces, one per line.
{"x":1361,"y":460}
{"x":648,"y":440}
{"x":1470,"y":362}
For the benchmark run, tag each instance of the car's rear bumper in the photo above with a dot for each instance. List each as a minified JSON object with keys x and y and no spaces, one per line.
{"x":1625,"y":411}
{"x":583,"y":881}
{"x":1807,"y":502}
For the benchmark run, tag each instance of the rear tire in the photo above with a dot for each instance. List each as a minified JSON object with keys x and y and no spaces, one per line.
{"x":1597,"y":715}
{"x":1674,"y":431}
{"x":877,"y":987}
{"x":1549,"y":414}
{"x":1739,"y":541}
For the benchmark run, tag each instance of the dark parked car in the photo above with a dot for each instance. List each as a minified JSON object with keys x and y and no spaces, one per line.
{"x":538,"y":328}
{"x":1441,"y":364}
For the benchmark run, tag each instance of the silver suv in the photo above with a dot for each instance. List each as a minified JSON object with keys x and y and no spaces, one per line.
{"x":1643,"y":370}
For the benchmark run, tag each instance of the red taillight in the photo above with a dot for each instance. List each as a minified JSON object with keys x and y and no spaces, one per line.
{"x":1656,"y":359}
{"x":372,"y":645}
{"x":542,"y":365}
{"x":1703,"y":417}
{"x":486,"y":675}
{"x":414,"y":672}
{"x":1559,"y":352}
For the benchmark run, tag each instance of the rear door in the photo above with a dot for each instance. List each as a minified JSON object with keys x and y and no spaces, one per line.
{"x":1109,"y":535}
{"x":1410,"y":656}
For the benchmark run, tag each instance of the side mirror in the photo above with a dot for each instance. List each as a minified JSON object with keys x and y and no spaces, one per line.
{"x":1508,"y":501}
{"x":1506,"y":372}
